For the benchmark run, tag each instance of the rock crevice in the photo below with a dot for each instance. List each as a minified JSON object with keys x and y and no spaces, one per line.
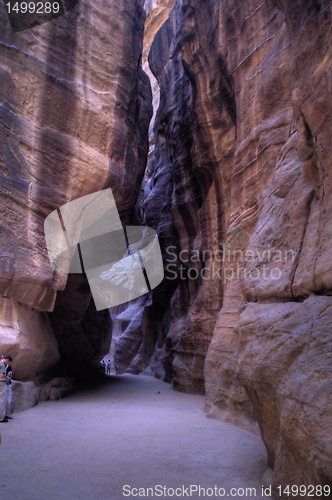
{"x":236,"y":182}
{"x":75,"y":111}
{"x":240,"y":168}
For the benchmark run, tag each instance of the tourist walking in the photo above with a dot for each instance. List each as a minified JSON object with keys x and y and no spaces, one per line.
{"x":3,"y":392}
{"x":108,"y":367}
{"x":7,"y":360}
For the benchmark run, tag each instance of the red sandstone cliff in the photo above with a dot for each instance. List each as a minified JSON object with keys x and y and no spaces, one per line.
{"x":237,"y":185}
{"x":75,"y":108}
{"x":242,"y":165}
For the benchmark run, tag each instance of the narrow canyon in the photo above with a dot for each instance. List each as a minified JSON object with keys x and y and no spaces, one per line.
{"x":211,"y":122}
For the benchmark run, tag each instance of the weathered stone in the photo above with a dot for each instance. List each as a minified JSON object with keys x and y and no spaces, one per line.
{"x":82,"y":332}
{"x":288,"y":379}
{"x":241,"y":162}
{"x":157,"y":13}
{"x":59,"y":387}
{"x":28,"y":337}
{"x":128,"y":348}
{"x":25,"y":395}
{"x":272,"y":255}
{"x":75,"y":109}
{"x":237,"y":186}
{"x":182,"y":195}
{"x":28,"y":394}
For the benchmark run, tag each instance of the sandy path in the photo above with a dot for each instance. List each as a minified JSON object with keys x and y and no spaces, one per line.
{"x":89,"y":445}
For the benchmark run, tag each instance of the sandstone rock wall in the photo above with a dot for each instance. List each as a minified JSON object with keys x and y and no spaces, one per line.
{"x":27,"y":394}
{"x":142,"y":325}
{"x":75,"y":108}
{"x":237,"y":185}
{"x":184,"y":195}
{"x":240,"y":176}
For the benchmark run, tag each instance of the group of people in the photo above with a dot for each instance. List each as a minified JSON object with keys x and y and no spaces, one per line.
{"x":5,"y":387}
{"x":108,"y":366}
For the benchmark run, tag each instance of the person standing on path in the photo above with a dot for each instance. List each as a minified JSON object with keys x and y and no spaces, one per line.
{"x":103,"y":365}
{"x":3,"y":392}
{"x":109,"y":366}
{"x":7,"y":360}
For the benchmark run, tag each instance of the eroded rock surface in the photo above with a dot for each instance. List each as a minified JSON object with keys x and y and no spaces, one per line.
{"x":27,"y":394}
{"x":75,"y":109}
{"x":288,"y":380}
{"x":28,"y":337}
{"x":239,"y":176}
{"x":237,"y":186}
{"x":184,"y":195}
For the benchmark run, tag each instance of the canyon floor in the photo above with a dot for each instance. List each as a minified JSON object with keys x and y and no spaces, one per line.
{"x":132,"y":431}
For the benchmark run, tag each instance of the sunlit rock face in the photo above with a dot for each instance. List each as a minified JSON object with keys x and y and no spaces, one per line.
{"x":75,"y":109}
{"x":240,"y":175}
{"x":157,"y":12}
